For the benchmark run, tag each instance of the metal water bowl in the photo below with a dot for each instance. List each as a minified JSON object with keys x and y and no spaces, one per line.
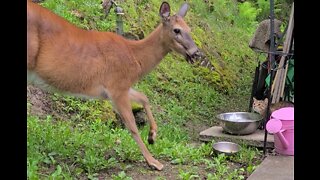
{"x":225,"y":147}
{"x":240,"y":123}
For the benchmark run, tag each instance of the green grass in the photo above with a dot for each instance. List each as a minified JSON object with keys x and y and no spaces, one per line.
{"x":64,"y":149}
{"x":85,"y":141}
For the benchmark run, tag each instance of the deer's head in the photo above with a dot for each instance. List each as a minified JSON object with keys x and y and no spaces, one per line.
{"x":177,"y":32}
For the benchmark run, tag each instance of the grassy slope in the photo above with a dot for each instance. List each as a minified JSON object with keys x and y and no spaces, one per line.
{"x":182,"y":96}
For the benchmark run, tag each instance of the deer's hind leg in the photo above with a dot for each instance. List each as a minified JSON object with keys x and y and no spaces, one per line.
{"x":123,"y":106}
{"x":32,"y":47}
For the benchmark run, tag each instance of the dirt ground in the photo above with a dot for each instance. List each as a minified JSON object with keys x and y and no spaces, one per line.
{"x":140,"y":170}
{"x":39,"y":100}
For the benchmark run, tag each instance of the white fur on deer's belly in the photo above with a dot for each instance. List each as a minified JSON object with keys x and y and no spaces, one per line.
{"x":35,"y":80}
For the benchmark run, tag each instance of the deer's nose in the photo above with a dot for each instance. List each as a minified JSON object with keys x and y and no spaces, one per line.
{"x":192,"y":51}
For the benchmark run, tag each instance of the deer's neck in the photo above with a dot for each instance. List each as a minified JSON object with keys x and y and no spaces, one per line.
{"x":151,"y":50}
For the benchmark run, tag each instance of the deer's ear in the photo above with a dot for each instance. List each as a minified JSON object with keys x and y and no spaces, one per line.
{"x":183,"y":10}
{"x":164,"y":10}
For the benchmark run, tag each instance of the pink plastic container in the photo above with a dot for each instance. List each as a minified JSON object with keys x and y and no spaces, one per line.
{"x":281,"y":124}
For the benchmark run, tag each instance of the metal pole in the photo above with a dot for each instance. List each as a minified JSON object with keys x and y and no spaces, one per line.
{"x":119,"y":21}
{"x":254,"y":86}
{"x":271,"y":63}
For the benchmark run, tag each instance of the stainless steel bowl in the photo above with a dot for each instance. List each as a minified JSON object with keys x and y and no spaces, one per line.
{"x":240,"y":123}
{"x":226,"y":147}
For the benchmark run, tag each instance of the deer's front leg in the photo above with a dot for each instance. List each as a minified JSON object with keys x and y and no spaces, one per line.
{"x":122,"y":103}
{"x":142,"y":99}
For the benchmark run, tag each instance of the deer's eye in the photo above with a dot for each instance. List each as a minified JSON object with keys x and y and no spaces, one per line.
{"x":177,"y":31}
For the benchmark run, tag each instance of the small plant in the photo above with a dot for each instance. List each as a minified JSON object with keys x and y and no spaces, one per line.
{"x":121,"y":176}
{"x":247,"y":16}
{"x":28,"y":107}
{"x":187,"y":175}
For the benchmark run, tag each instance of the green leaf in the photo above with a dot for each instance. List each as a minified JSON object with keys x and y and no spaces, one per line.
{"x":57,"y":172}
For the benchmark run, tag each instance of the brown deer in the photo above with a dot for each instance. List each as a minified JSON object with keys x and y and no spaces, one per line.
{"x":62,"y":57}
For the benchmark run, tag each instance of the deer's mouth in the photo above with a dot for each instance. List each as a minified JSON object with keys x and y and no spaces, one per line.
{"x":191,"y":58}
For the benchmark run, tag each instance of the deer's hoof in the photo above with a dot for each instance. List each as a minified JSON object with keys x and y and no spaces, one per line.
{"x":152,"y":137}
{"x":156,"y":165}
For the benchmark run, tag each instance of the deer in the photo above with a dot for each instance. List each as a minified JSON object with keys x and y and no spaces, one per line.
{"x":64,"y":58}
